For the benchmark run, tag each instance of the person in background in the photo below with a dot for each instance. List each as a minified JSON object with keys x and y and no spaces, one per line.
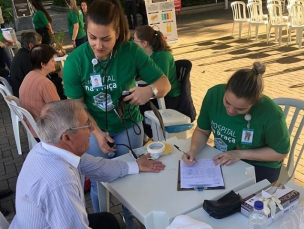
{"x":246,"y":125}
{"x":21,"y":64}
{"x":76,"y":24}
{"x":154,"y":44}
{"x":130,"y":7}
{"x":1,"y":19}
{"x":49,"y":192}
{"x":142,"y":11}
{"x":111,"y":57}
{"x":84,"y":9}
{"x":42,"y":21}
{"x":36,"y":90}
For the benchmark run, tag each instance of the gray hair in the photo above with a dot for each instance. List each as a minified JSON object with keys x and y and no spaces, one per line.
{"x":30,"y":37}
{"x":56,"y":118}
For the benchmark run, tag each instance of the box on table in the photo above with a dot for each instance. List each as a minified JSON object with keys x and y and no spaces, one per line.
{"x":289,"y":199}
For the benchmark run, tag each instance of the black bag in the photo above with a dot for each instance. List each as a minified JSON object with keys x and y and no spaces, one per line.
{"x":223,"y":207}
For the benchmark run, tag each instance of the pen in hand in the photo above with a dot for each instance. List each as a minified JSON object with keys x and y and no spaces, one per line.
{"x":182,"y":151}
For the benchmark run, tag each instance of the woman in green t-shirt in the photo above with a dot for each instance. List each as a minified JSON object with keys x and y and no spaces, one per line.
{"x":42,"y":22}
{"x":97,"y":73}
{"x":246,"y":125}
{"x":154,"y":44}
{"x":76,"y":24}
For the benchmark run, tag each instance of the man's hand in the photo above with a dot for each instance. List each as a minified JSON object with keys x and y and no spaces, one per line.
{"x":146,"y":165}
{"x":227,"y":158}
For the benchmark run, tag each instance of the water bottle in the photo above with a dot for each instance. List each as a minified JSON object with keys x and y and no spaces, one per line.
{"x":257,"y":218}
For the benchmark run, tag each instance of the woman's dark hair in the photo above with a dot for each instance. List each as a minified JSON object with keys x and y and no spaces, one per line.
{"x":155,"y":38}
{"x":41,"y":54}
{"x":109,"y":13}
{"x":248,"y":83}
{"x":38,"y":6}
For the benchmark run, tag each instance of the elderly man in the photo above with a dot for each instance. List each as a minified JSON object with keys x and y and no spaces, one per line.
{"x":21,"y":64}
{"x":49,"y":190}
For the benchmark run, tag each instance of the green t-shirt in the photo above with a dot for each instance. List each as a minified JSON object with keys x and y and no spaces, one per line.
{"x":1,"y":36}
{"x":74,"y":18}
{"x":165,"y":61}
{"x":267,"y":122}
{"x":127,"y":60}
{"x":40,"y":20}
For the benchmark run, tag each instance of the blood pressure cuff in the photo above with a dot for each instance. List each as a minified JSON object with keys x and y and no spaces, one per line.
{"x":223,"y":207}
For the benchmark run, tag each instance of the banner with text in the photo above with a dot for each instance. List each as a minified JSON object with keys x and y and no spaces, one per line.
{"x":161,"y":16}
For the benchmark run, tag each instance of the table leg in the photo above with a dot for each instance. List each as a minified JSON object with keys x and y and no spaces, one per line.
{"x":103,"y":198}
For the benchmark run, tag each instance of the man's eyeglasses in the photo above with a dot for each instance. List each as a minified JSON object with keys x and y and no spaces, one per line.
{"x":89,"y":124}
{"x":81,"y":127}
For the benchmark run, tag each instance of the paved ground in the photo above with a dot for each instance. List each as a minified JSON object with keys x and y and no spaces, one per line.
{"x":204,"y":38}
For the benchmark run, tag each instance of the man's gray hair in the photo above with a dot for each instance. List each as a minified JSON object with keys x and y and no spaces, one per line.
{"x":30,"y":37}
{"x":56,"y":118}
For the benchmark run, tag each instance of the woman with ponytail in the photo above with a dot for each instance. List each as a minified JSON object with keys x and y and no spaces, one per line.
{"x":154,"y":44}
{"x":42,"y":22}
{"x":110,"y":57}
{"x":246,"y":125}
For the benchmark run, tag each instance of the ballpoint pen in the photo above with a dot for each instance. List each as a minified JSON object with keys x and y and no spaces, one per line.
{"x":181,"y":151}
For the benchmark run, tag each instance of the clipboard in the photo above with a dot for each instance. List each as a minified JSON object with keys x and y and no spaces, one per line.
{"x":197,"y":188}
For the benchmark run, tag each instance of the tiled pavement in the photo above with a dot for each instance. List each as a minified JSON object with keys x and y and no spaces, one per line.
{"x":204,"y":38}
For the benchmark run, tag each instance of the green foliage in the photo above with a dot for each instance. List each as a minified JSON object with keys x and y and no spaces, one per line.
{"x":7,"y":12}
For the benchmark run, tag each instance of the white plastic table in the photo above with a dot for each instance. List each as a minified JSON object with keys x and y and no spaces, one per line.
{"x":154,"y":199}
{"x":238,"y":220}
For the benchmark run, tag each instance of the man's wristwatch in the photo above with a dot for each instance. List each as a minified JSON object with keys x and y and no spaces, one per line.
{"x":154,"y":90}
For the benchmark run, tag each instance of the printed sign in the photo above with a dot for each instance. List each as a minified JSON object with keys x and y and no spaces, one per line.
{"x":178,"y":5}
{"x":161,"y":16}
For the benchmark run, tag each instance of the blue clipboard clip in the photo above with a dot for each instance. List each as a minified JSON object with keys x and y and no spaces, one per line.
{"x":201,"y":187}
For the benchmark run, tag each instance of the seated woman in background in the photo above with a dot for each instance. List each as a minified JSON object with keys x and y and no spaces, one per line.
{"x":246,"y":125}
{"x":36,"y":89}
{"x":154,"y":44}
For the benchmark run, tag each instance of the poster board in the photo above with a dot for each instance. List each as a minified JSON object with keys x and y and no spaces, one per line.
{"x":9,"y":34}
{"x":161,"y":16}
{"x":178,"y":5}
{"x":22,"y":8}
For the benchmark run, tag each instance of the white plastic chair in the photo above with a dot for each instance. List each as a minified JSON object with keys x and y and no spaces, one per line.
{"x":256,"y":17}
{"x":293,"y":111}
{"x":23,"y":114}
{"x":239,"y":15}
{"x":276,"y":19}
{"x":296,"y":15}
{"x":6,"y":84}
{"x":15,"y":120}
{"x":3,"y":222}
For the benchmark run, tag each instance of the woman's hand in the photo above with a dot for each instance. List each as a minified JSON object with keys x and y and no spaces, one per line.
{"x":146,"y":165}
{"x":227,"y":158}
{"x":2,"y":45}
{"x":102,"y":139}
{"x":189,"y":158}
{"x":139,"y":96}
{"x":9,"y":42}
{"x":74,"y":43}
